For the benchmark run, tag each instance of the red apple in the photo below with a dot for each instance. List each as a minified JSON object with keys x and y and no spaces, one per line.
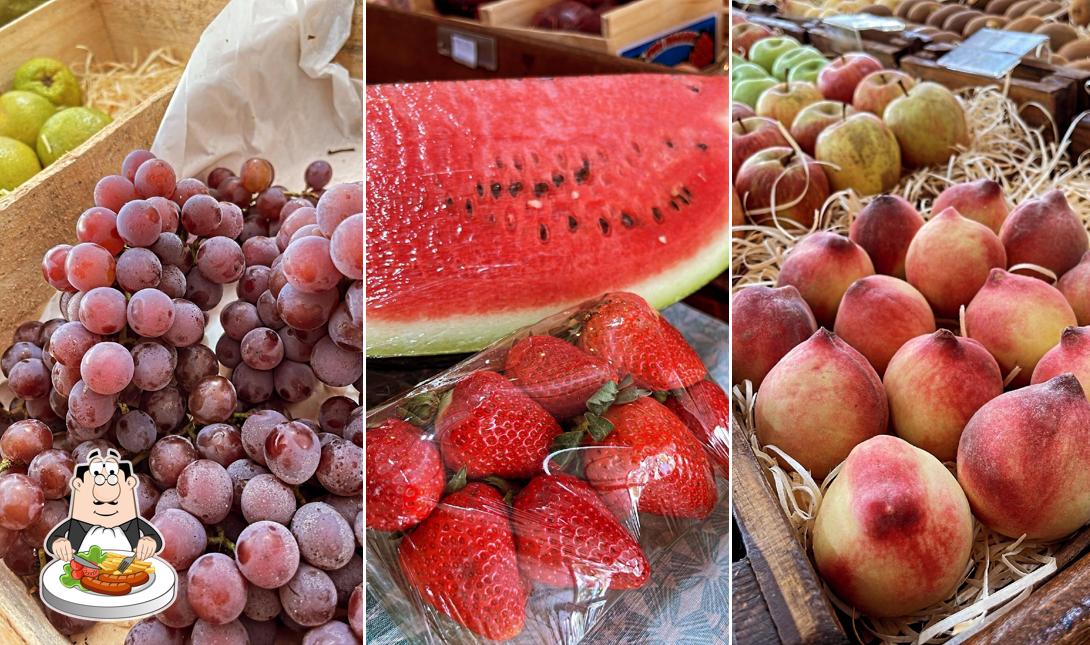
{"x":878,"y":89}
{"x":838,"y":80}
{"x":744,"y":34}
{"x":814,"y":118}
{"x":740,"y":111}
{"x":797,"y":182}
{"x":748,"y":136}
{"x":784,"y":102}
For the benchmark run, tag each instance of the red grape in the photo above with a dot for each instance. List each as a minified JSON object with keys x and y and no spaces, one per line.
{"x":102,"y":311}
{"x":185,"y":189}
{"x":70,"y":342}
{"x":153,"y":365}
{"x":325,"y":539}
{"x":112,"y":191}
{"x":139,"y":222}
{"x":270,"y":201}
{"x":337,"y":204}
{"x":136,"y":431}
{"x":150,"y":312}
{"x":231,"y":221}
{"x":309,"y":598}
{"x":267,"y":498}
{"x":256,"y":429}
{"x":340,"y":468}
{"x":195,"y":363}
{"x":231,"y":190}
{"x":168,"y":458}
{"x":24,"y":440}
{"x":179,"y":614}
{"x":188,"y":326}
{"x":150,"y":630}
{"x":292,"y":452}
{"x":172,"y":282}
{"x":21,"y":501}
{"x":303,"y":310}
{"x":261,"y":604}
{"x":99,"y":226}
{"x":260,"y":250}
{"x":346,"y":247}
{"x":262,"y":349}
{"x":318,"y":174}
{"x":155,"y":177}
{"x":293,"y":381}
{"x":253,"y":385}
{"x":201,"y":291}
{"x":17,"y":352}
{"x":132,"y":161}
{"x":257,"y":174}
{"x":220,"y":260}
{"x":89,"y":408}
{"x":217,"y":591}
{"x":216,"y":177}
{"x":220,"y":442}
{"x":298,"y":218}
{"x":238,"y":319}
{"x":212,"y":400}
{"x":89,"y":265}
{"x":206,"y":490}
{"x":30,"y":379}
{"x":229,"y":354}
{"x":267,"y":554}
{"x":201,"y":215}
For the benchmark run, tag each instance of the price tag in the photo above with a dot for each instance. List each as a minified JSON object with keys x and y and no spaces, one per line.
{"x":991,"y":53}
{"x":463,"y":50}
{"x":864,"y":22}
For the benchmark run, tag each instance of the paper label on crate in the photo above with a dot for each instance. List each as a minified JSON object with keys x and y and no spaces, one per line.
{"x":463,"y":50}
{"x":864,"y":22}
{"x":991,"y":53}
{"x":694,"y":43}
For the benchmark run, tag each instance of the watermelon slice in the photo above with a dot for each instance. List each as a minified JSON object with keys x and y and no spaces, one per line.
{"x":492,"y":204}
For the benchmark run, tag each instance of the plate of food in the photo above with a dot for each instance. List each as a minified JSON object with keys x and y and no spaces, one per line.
{"x":108,"y":585}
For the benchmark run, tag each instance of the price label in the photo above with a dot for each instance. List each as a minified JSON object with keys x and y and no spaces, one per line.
{"x":864,"y":22}
{"x":991,"y":53}
{"x":463,"y":50}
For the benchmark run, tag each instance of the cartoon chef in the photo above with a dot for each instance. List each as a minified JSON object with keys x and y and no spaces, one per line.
{"x":104,"y":512}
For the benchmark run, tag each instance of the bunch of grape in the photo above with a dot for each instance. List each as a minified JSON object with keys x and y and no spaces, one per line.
{"x":260,"y":512}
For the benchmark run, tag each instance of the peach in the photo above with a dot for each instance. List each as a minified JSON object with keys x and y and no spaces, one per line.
{"x":768,"y":323}
{"x":1046,"y":232}
{"x":894,"y":532}
{"x":1017,"y":319}
{"x":821,"y":400}
{"x":822,"y":267}
{"x":1075,"y":285}
{"x":1071,"y":355}
{"x":878,"y":314}
{"x":949,"y":260}
{"x":935,"y":383}
{"x":981,"y":201}
{"x":884,"y":228}
{"x":1024,"y":460}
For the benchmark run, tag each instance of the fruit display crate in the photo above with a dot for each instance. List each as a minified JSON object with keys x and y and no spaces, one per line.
{"x":407,"y":46}
{"x":1052,"y":95}
{"x":42,"y":212}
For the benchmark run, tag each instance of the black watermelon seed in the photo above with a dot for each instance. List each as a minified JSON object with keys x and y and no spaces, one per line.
{"x":515,"y":188}
{"x":540,"y":188}
{"x":558,"y":179}
{"x":450,"y":202}
{"x":656,"y":213}
{"x":694,"y":89}
{"x":543,"y":232}
{"x":572,"y":223}
{"x":496,"y":190}
{"x":518,"y":164}
{"x":636,"y":147}
{"x":480,"y":190}
{"x":469,"y":207}
{"x":583,"y":172}
{"x":673,"y":205}
{"x":685,"y":190}
{"x":669,"y":144}
{"x":702,"y":146}
{"x":604,"y":225}
{"x":627,"y":220}
{"x":684,"y":199}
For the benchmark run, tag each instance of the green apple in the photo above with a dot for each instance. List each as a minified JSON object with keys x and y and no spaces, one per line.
{"x":749,"y":91}
{"x":807,"y":70}
{"x":765,"y":52}
{"x":785,"y":63}
{"x":736,"y":60}
{"x":861,"y":153}
{"x":929,"y":124}
{"x":747,"y":71}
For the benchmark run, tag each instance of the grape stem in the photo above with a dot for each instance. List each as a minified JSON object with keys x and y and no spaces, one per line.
{"x":298,"y":495}
{"x":239,"y":417}
{"x":139,"y":457}
{"x":221,"y":540}
{"x":5,"y":464}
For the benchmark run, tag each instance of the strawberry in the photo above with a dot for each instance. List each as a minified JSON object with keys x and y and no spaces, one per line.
{"x":490,"y":427}
{"x":462,"y":561}
{"x":566,"y":537}
{"x":651,"y":457}
{"x":404,"y":476}
{"x":636,"y":339}
{"x":556,"y":374}
{"x":705,"y":410}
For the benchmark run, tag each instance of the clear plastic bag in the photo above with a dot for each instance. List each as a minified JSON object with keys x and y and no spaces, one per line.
{"x":580,"y":467}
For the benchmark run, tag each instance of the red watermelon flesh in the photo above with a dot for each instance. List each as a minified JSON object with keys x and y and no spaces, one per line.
{"x":492,"y":204}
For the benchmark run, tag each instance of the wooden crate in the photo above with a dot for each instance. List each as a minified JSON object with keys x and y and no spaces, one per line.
{"x":797,"y":28}
{"x":42,"y":212}
{"x":888,"y":47}
{"x":621,"y":27}
{"x":402,"y":47}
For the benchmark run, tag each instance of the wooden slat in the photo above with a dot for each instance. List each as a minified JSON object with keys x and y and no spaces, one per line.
{"x":146,"y":25}
{"x":750,"y":621}
{"x":794,"y":597}
{"x":21,"y":620}
{"x":52,"y":30}
{"x":402,"y":47}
